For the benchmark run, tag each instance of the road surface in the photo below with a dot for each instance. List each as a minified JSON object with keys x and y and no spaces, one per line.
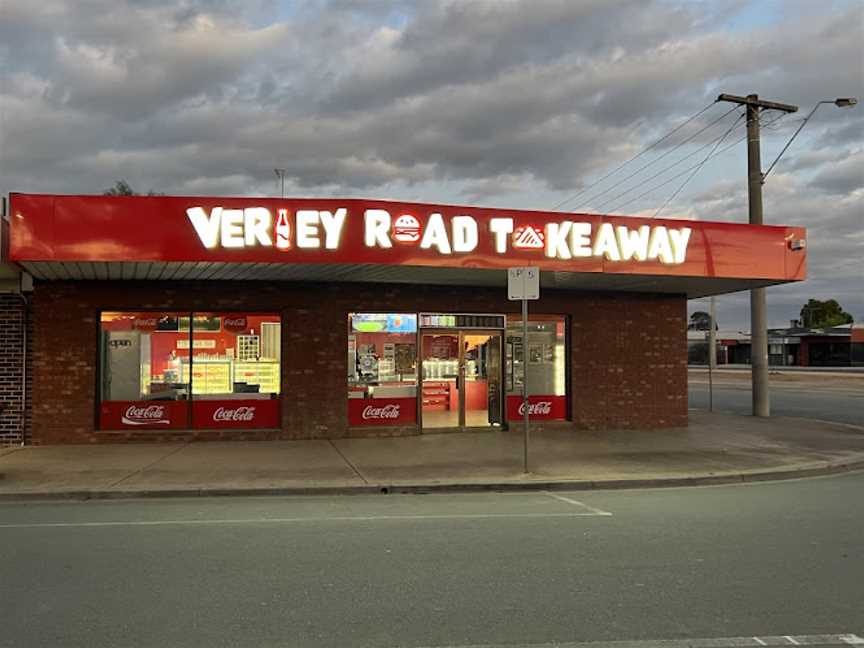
{"x":768,"y":560}
{"x":830,"y":397}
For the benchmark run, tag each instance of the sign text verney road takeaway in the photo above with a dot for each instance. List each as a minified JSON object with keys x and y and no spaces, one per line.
{"x":347,"y":232}
{"x":316,"y":229}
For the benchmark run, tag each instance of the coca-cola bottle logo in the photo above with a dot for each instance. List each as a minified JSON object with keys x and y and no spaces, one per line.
{"x":224,"y":414}
{"x":390,"y":411}
{"x":145,"y":415}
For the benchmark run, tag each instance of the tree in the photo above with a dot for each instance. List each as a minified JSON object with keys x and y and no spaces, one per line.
{"x":122,"y":188}
{"x":821,"y":314}
{"x":701,"y":321}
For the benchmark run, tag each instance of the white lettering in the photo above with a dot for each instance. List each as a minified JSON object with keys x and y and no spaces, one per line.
{"x":679,"y":239}
{"x":307,"y":229}
{"x":232,"y":228}
{"x":580,"y":239}
{"x":236,"y":414}
{"x":556,"y":240}
{"x":605,"y":245}
{"x":377,"y":222}
{"x":257,"y":221}
{"x":536,"y":409}
{"x":390,"y":411}
{"x":501,"y":228}
{"x":436,"y":235}
{"x":658,"y":245}
{"x":464,"y":230}
{"x":633,"y":243}
{"x":332,"y":224}
{"x":207,"y":227}
{"x":146,"y":415}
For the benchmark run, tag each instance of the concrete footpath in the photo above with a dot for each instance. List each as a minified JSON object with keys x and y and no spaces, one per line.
{"x":715,"y":448}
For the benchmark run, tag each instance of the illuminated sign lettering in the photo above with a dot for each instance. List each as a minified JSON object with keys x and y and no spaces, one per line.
{"x":312,"y":229}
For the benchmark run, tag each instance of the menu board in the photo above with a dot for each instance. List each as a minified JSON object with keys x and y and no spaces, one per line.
{"x":264,"y":374}
{"x":210,"y":376}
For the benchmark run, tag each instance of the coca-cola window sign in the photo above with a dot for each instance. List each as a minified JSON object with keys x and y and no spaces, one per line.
{"x":540,"y":408}
{"x":144,"y":415}
{"x":217,"y":414}
{"x":382,"y":411}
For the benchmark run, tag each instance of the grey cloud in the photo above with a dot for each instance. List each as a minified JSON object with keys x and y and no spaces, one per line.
{"x":842,"y":177}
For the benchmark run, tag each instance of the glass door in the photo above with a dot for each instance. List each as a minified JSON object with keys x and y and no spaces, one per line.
{"x":461,"y":379}
{"x":481,"y":352}
{"x":440,"y":395}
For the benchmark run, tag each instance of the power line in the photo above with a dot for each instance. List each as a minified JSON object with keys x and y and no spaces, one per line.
{"x":675,"y":177}
{"x":701,"y":164}
{"x":657,"y":159}
{"x":642,"y":152}
{"x":658,"y":173}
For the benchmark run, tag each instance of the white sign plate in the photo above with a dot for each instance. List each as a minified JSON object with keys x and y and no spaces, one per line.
{"x":523,"y":283}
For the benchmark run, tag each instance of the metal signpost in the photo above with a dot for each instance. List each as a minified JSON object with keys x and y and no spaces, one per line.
{"x":523,"y":284}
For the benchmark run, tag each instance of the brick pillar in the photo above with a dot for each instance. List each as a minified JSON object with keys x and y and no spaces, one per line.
{"x":14,"y":416}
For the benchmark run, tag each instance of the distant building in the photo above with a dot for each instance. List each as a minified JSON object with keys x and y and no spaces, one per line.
{"x":795,"y":346}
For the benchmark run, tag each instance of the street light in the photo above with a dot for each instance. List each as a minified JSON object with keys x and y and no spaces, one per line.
{"x":840,"y":102}
{"x":280,"y":173}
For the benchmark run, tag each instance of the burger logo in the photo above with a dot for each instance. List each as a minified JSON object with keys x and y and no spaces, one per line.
{"x":406,"y":229}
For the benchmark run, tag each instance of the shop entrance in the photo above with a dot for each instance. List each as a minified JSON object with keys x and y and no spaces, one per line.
{"x":461,"y":379}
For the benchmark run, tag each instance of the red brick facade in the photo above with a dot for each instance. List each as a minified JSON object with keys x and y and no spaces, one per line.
{"x":14,"y":415}
{"x":628,"y":352}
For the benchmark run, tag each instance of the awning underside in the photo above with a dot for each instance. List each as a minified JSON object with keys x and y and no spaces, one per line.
{"x":692,"y":287}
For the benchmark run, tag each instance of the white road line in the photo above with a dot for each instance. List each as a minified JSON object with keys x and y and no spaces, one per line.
{"x":301,"y":520}
{"x":715,"y":642}
{"x":569,"y":500}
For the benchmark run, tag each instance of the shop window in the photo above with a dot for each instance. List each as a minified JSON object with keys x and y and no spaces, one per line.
{"x":382,"y":368}
{"x":546,"y":367}
{"x":179,"y":370}
{"x":234,"y":369}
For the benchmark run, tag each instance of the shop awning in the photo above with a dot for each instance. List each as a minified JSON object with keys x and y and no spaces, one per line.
{"x":692,"y":287}
{"x":172,"y":238}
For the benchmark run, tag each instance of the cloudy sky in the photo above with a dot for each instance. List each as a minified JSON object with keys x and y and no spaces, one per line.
{"x":501,"y":103}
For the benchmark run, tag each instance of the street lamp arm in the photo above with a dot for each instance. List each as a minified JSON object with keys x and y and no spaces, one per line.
{"x":843,"y":102}
{"x":791,"y":139}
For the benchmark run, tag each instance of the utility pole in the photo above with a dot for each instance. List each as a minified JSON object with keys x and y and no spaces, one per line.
{"x":280,"y":173}
{"x":758,"y":310}
{"x":712,"y":353}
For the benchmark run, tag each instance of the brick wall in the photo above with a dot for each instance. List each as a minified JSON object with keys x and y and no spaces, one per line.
{"x":628,"y":351}
{"x":13,"y":421}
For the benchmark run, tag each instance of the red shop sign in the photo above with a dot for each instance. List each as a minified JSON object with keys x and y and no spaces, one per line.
{"x":130,"y":415}
{"x":247,"y":413}
{"x":382,"y":411}
{"x":540,"y":408}
{"x":234,"y":324}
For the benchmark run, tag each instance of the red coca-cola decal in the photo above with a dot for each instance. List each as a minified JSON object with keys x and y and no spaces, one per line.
{"x":235,"y":414}
{"x":131,"y":415}
{"x":248,"y":413}
{"x":382,"y":411}
{"x":391,"y":411}
{"x":548,"y":408}
{"x":234,"y":324}
{"x":145,"y":323}
{"x":146,"y":415}
{"x":541,"y":408}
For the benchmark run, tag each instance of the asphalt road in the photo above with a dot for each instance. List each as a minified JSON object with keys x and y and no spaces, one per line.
{"x":839,"y":401}
{"x":520,"y":569}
